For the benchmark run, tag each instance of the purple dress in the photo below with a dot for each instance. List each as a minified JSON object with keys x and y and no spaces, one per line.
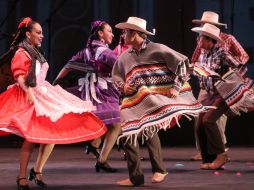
{"x":96,"y":85}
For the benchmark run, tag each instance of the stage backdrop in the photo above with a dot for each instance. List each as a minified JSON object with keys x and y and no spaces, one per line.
{"x":66,"y":25}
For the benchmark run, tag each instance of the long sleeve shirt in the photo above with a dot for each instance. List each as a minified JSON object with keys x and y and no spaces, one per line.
{"x":217,"y":60}
{"x":102,"y":60}
{"x":231,"y":45}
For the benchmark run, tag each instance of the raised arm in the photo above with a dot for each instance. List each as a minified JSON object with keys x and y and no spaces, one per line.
{"x":78,"y":57}
{"x":64,"y":71}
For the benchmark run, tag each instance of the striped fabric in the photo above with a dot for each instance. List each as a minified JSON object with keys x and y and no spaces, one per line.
{"x":149,"y":108}
{"x":237,"y":92}
{"x":139,"y":111}
{"x":201,"y":71}
{"x":236,"y":89}
{"x":231,"y":45}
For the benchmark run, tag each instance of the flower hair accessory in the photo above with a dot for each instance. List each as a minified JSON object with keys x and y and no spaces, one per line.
{"x":95,"y":25}
{"x":24,"y":22}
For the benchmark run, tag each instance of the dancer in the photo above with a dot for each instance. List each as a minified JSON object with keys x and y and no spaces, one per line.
{"x":150,"y":76}
{"x":222,"y":87}
{"x":97,"y":61}
{"x":233,"y":47}
{"x":121,"y":47}
{"x":37,"y":111}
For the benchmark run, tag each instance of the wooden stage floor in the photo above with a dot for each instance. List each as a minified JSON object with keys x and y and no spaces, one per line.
{"x":69,"y":168}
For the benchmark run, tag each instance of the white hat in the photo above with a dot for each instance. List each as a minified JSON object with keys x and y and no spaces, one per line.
{"x":209,"y":30}
{"x":209,"y":17}
{"x":135,"y":23}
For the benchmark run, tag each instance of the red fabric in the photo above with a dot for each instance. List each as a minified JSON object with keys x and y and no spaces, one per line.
{"x":19,"y":116}
{"x":2,"y":133}
{"x":119,"y":49}
{"x":20,"y":63}
{"x":173,"y":122}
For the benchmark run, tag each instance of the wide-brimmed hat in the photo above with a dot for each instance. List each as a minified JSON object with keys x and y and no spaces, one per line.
{"x":209,"y":17}
{"x":135,"y":23}
{"x":210,"y":31}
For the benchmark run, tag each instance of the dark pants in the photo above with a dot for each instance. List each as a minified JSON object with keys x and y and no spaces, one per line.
{"x":209,"y":137}
{"x":133,"y":159}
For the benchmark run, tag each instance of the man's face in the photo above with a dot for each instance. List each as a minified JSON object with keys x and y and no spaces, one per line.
{"x":129,"y":36}
{"x":204,"y":42}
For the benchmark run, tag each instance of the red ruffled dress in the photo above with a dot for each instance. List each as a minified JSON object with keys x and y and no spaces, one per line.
{"x":56,"y":116}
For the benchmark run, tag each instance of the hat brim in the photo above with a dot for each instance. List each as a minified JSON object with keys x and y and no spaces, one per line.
{"x":125,"y":25}
{"x":204,"y":21}
{"x":201,"y":31}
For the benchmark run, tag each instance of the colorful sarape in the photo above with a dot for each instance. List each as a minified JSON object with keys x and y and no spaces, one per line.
{"x":149,"y":109}
{"x":234,"y":87}
{"x":237,"y":91}
{"x":153,"y":110}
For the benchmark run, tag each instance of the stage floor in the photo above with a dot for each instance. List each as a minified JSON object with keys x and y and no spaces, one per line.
{"x":69,"y":168}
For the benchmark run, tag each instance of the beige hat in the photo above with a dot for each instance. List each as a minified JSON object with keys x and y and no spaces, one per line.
{"x":135,"y":23}
{"x":210,"y":31}
{"x":209,"y":17}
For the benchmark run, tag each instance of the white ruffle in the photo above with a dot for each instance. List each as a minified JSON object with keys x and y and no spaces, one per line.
{"x":54,"y":102}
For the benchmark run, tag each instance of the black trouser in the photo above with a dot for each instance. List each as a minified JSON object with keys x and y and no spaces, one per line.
{"x":209,"y":137}
{"x":133,"y":159}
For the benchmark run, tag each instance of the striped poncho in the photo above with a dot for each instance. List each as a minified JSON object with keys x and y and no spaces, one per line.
{"x":152,"y":72}
{"x":220,"y":73}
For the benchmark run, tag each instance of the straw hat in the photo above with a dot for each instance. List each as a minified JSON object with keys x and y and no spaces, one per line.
{"x":210,"y":31}
{"x":135,"y":23}
{"x":209,"y":17}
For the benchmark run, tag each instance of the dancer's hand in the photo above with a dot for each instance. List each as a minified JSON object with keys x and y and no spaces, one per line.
{"x":172,"y":93}
{"x":30,"y":96}
{"x":128,"y":89}
{"x":29,"y":91}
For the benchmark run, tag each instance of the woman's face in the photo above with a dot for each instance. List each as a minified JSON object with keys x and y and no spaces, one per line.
{"x":106,"y":34}
{"x":35,"y":36}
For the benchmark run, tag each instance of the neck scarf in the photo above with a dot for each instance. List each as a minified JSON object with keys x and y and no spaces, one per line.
{"x":35,"y":55}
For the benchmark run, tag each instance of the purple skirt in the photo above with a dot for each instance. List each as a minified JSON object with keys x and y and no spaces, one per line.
{"x":108,"y":110}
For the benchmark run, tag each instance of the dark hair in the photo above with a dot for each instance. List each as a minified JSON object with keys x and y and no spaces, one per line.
{"x":210,"y":39}
{"x":141,"y":34}
{"x":31,"y":76}
{"x":95,"y":35}
{"x":19,"y":37}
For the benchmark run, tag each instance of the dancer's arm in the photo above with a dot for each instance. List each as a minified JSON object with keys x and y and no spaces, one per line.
{"x":61,"y":74}
{"x":28,"y":90}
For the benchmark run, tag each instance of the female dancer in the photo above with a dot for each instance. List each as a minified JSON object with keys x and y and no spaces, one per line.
{"x":37,"y":111}
{"x":97,"y":60}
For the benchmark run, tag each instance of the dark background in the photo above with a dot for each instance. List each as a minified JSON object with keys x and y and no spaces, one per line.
{"x":66,"y":26}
